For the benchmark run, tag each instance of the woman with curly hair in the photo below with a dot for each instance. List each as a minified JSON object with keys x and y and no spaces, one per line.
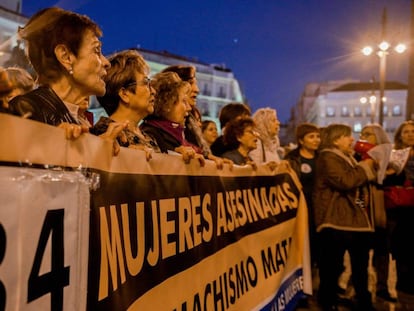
{"x":166,"y":125}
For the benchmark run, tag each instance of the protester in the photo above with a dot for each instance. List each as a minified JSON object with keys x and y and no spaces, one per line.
{"x":373,"y":135}
{"x":229,"y":112}
{"x":241,"y":138}
{"x":342,"y":218}
{"x":129,"y":97}
{"x":403,"y":216}
{"x":193,"y":119}
{"x":166,"y":124}
{"x":267,"y":126}
{"x":22,"y":82}
{"x":64,"y":50}
{"x":192,"y":130}
{"x":303,"y":162}
{"x":209,"y":131}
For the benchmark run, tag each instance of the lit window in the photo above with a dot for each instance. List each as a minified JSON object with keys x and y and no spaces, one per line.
{"x":344,"y":111}
{"x":357,"y":127}
{"x":396,"y":110}
{"x":330,"y":111}
{"x":357,"y":111}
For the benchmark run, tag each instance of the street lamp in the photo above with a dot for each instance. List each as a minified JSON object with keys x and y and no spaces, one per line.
{"x":383,"y":49}
{"x":372,"y":99}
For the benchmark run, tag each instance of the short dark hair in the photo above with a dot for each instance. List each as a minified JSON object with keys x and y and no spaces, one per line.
{"x":47,"y":29}
{"x":231,"y":111}
{"x":234,"y":129}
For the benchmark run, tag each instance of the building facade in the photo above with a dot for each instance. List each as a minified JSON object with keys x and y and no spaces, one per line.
{"x":350,"y":104}
{"x":10,"y":20}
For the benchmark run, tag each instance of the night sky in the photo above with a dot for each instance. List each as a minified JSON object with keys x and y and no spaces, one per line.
{"x":274,"y":47}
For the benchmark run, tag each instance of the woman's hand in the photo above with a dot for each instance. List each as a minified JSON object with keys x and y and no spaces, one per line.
{"x":73,"y":131}
{"x":189,"y":153}
{"x":148,"y":151}
{"x":220,"y":161}
{"x":252,"y":164}
{"x":115,"y":130}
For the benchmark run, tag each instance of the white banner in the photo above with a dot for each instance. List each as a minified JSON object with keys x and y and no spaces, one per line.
{"x":44,"y":246}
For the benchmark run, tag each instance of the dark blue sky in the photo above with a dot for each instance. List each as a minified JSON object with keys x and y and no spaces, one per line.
{"x":274,"y":47}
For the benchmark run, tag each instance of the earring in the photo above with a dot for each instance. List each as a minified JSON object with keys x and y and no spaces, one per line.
{"x":71,"y":71}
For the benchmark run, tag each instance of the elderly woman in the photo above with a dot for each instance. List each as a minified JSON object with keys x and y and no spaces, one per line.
{"x":166,"y":124}
{"x":372,"y":135}
{"x":267,"y":126}
{"x":65,"y":51}
{"x":241,"y":138}
{"x":129,"y":97}
{"x":341,"y":207}
{"x":193,"y":132}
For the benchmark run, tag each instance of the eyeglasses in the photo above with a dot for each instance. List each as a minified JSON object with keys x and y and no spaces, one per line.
{"x":146,"y":82}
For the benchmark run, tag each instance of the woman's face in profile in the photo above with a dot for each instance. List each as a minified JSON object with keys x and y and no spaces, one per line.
{"x":407,"y":135}
{"x":182,"y":107}
{"x":89,"y":66}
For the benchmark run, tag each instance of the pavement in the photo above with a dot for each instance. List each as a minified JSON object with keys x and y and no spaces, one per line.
{"x":405,"y":301}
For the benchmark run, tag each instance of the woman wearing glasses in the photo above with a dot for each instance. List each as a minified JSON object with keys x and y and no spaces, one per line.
{"x":129,"y":97}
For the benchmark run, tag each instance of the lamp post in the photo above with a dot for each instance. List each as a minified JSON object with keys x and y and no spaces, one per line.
{"x":371,"y":99}
{"x":382,"y":52}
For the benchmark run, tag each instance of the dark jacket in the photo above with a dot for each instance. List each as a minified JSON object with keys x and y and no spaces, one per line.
{"x":164,"y":139}
{"x":339,"y":180}
{"x":43,"y":105}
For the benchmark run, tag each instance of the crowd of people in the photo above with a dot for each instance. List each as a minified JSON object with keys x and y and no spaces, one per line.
{"x":345,"y":200}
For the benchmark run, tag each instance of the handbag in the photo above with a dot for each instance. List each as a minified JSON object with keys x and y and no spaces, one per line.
{"x":399,"y":196}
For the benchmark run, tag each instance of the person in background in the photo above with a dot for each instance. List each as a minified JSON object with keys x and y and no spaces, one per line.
{"x":267,"y":126}
{"x":209,"y":130}
{"x":374,"y":134}
{"x":166,"y":124}
{"x":229,"y":112}
{"x":303,"y":162}
{"x":129,"y":97}
{"x":403,"y":216}
{"x":65,"y":51}
{"x":342,"y":218}
{"x":241,"y":138}
{"x":21,"y":80}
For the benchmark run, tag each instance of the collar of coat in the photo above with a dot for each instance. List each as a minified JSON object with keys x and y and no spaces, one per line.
{"x":348,"y":158}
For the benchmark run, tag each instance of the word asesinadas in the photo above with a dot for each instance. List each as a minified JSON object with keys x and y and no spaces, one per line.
{"x":194,"y":220}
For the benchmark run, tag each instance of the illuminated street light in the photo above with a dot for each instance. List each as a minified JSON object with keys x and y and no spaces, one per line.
{"x":382,"y":51}
{"x":372,"y":99}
